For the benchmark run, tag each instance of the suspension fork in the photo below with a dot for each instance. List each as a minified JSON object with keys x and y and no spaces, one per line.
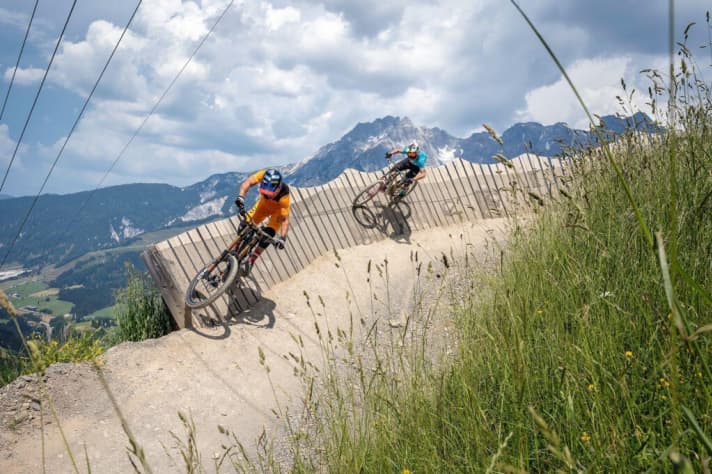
{"x":224,"y":254}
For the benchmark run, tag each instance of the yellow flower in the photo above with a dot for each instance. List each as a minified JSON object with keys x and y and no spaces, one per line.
{"x":629,"y":354}
{"x":664,"y":383}
{"x":591,"y":388}
{"x":585,"y":438}
{"x":539,"y":311}
{"x":406,"y":471}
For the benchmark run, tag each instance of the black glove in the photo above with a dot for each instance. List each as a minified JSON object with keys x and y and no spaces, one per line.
{"x":240,"y":203}
{"x":388,"y":154}
{"x":280,"y":242}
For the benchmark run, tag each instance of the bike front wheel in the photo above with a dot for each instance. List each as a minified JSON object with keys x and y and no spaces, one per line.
{"x":367,"y":194}
{"x":394,"y":192}
{"x":207,"y":286}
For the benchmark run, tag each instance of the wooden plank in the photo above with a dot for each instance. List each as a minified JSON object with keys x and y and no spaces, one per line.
{"x":300,"y":239}
{"x":166,"y":284}
{"x":496,"y":186}
{"x":493,"y":202}
{"x":520,"y":183}
{"x":234,"y":297}
{"x":458,"y":191}
{"x":327,"y":198}
{"x":183,"y":250}
{"x":314,"y":223}
{"x":470,"y":179}
{"x":361,"y":181}
{"x":446,"y":202}
{"x":342,"y":206}
{"x":199,"y":251}
{"x":431,"y":193}
{"x":352,"y":191}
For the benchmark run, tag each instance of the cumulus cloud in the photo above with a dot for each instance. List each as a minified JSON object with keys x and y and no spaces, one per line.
{"x":277,"y":80}
{"x":599,"y":83}
{"x":24,"y":77}
{"x":6,"y":145}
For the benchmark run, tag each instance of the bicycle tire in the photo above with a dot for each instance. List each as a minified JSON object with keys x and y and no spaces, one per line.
{"x":396,"y":198}
{"x":367,"y":194}
{"x":200,"y":293}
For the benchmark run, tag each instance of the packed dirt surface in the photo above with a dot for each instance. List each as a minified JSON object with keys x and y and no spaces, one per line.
{"x":239,"y":375}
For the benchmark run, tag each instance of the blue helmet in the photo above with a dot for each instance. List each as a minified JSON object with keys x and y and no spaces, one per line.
{"x":271,"y":183}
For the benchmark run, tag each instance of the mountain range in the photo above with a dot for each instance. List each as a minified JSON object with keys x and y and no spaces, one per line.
{"x":64,"y":227}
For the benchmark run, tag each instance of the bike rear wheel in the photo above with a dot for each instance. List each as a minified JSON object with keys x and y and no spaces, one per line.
{"x":367,"y":194}
{"x":206,"y":286}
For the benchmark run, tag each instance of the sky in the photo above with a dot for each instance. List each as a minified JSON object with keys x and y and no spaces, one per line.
{"x":275,"y":81}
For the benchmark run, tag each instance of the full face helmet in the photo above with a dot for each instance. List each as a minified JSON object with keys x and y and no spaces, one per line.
{"x":412,"y":150}
{"x":271,"y":183}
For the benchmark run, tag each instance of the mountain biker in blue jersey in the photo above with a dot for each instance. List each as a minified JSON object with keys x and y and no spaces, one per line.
{"x":414,"y":163}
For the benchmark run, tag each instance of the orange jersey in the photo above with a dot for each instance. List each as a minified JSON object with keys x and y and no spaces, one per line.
{"x":276,"y":209}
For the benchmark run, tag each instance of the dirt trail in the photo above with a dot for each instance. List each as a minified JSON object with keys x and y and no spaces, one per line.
{"x":216,"y":375}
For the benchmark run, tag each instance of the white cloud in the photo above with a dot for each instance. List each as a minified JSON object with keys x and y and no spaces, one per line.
{"x":277,"y":80}
{"x":6,"y":143}
{"x":599,"y":84}
{"x":24,"y":77}
{"x":277,"y":17}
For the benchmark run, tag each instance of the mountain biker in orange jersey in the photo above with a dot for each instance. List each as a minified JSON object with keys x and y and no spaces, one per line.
{"x":274,"y":203}
{"x":414,"y":163}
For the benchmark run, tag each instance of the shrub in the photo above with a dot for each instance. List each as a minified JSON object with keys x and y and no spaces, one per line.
{"x":141,"y":313}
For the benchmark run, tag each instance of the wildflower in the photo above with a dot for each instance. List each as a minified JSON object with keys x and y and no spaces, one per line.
{"x":406,"y":471}
{"x":664,"y":383}
{"x":585,"y":438}
{"x":540,"y":311}
{"x":628,"y":354}
{"x":591,"y":388}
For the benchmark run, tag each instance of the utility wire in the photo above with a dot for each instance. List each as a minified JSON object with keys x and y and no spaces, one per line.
{"x":153,"y":109}
{"x":22,"y":48}
{"x":71,"y":131}
{"x":24,"y":128}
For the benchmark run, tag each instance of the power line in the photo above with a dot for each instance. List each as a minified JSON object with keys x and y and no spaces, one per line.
{"x":153,"y":109}
{"x":71,"y":131}
{"x":22,"y":48}
{"x":19,"y":140}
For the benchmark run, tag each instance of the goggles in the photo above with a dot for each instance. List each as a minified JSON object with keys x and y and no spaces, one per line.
{"x":270,"y":194}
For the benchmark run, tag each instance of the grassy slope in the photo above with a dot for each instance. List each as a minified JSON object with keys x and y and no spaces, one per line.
{"x":576,"y":360}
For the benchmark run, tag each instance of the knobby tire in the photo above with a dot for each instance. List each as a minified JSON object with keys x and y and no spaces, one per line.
{"x":200,"y":293}
{"x":367,"y":194}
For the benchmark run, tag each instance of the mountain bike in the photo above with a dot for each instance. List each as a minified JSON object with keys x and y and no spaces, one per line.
{"x":393,"y":183}
{"x":217,"y":276}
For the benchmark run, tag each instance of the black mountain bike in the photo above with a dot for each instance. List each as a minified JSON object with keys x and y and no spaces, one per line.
{"x":393,"y":183}
{"x":216,"y":277}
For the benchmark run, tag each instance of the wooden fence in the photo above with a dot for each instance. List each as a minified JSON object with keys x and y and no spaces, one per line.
{"x":322,"y":220}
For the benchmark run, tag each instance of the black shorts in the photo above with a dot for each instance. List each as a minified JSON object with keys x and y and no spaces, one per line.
{"x":407,"y":164}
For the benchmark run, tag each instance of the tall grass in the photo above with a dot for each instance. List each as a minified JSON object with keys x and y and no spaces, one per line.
{"x":591,"y":349}
{"x":141,"y":312}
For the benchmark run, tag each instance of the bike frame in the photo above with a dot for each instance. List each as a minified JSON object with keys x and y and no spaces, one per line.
{"x":241,"y":251}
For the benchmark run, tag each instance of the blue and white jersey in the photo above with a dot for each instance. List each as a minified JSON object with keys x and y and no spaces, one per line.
{"x":419,"y":160}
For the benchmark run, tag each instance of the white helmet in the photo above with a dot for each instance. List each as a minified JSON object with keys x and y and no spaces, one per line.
{"x":413,"y":148}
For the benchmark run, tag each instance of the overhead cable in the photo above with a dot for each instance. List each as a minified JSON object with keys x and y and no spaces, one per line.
{"x":17,"y":63}
{"x":155,"y":106}
{"x":71,"y":131}
{"x":29,"y":116}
